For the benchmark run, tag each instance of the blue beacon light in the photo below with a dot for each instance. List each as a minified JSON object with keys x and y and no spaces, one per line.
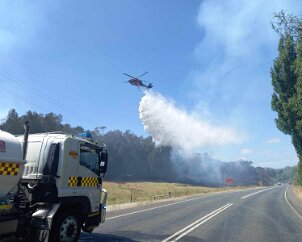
{"x":85,"y":135}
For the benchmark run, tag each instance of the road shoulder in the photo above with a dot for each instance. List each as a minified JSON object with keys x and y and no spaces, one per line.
{"x":294,"y":200}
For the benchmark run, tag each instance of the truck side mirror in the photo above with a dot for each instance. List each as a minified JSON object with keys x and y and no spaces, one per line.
{"x":103,"y":162}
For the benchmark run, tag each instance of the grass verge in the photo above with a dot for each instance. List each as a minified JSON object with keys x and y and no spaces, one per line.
{"x":298,"y":191}
{"x":148,"y":191}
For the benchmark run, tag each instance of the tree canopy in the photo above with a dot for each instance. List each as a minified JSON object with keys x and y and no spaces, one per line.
{"x":287,"y":80}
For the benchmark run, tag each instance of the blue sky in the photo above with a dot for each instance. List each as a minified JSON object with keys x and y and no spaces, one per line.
{"x":213,"y":58}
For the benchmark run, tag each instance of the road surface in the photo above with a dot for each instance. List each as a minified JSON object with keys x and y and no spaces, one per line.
{"x":262,"y":214}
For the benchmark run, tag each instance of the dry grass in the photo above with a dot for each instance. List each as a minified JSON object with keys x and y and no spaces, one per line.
{"x":298,"y":191}
{"x":147,"y":191}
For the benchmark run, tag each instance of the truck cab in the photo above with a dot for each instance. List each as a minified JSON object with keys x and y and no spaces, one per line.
{"x":63,"y":181}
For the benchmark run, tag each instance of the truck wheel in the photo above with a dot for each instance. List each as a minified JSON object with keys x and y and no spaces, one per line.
{"x":66,"y":227}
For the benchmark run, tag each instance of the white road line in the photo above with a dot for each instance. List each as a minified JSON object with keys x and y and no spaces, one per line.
{"x":197,"y":225}
{"x":181,"y":233}
{"x":161,"y":206}
{"x":254,"y":193}
{"x":295,"y":211}
{"x":170,"y":204}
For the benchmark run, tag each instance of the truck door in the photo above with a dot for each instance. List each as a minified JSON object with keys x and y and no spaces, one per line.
{"x":89,"y":173}
{"x":68,"y":168}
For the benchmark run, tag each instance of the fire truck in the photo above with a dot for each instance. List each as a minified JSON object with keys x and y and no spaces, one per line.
{"x":51,"y":185}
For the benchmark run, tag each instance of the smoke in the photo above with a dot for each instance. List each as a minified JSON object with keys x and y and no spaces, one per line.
{"x":172,"y":126}
{"x":233,"y":59}
{"x":198,"y":168}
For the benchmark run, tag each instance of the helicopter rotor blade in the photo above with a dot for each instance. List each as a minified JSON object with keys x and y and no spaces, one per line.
{"x":128,"y":75}
{"x":142,"y":74}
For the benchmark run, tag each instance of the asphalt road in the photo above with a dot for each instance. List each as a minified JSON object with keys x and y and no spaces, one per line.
{"x":263,"y":214}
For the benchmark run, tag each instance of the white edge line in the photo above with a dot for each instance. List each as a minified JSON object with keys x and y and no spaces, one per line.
{"x":295,"y":211}
{"x":254,"y":193}
{"x":192,"y":224}
{"x":183,"y":201}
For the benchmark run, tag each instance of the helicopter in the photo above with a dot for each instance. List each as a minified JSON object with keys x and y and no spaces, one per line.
{"x":135,"y":81}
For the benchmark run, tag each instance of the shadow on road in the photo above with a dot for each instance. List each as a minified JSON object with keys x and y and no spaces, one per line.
{"x":122,"y":236}
{"x":129,"y":236}
{"x":85,"y":237}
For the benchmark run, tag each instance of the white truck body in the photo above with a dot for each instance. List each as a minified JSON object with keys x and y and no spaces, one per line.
{"x":69,"y":171}
{"x":60,"y":190}
{"x":11,"y":163}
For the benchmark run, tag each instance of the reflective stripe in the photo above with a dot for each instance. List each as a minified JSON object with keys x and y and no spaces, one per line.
{"x":89,"y":181}
{"x":9,"y":168}
{"x":6,"y":206}
{"x":74,"y":181}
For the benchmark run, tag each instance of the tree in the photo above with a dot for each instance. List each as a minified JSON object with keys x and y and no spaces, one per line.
{"x":12,"y":123}
{"x":284,"y":81}
{"x":287,"y":81}
{"x":39,"y":123}
{"x":287,"y":23}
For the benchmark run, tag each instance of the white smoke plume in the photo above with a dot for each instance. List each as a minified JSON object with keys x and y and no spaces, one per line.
{"x":175,"y":127}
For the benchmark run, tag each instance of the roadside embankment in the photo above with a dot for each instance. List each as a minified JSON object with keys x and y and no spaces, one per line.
{"x":298,"y":191}
{"x":293,"y":197}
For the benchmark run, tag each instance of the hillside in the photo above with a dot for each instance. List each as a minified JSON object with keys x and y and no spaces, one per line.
{"x":133,"y":158}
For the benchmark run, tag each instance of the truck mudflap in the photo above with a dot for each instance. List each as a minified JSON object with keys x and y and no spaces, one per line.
{"x":103,"y":206}
{"x":42,"y":220}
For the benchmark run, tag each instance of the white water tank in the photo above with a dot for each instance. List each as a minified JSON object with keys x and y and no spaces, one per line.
{"x":11,"y":163}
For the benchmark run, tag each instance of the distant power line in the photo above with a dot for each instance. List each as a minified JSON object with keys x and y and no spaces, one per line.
{"x":8,"y":76}
{"x":20,"y":97}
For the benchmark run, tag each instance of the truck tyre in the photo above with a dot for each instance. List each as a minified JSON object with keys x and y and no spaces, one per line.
{"x":66,"y":227}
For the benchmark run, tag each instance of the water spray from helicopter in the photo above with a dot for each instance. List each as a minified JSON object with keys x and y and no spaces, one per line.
{"x":172,"y":126}
{"x":187,"y":135}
